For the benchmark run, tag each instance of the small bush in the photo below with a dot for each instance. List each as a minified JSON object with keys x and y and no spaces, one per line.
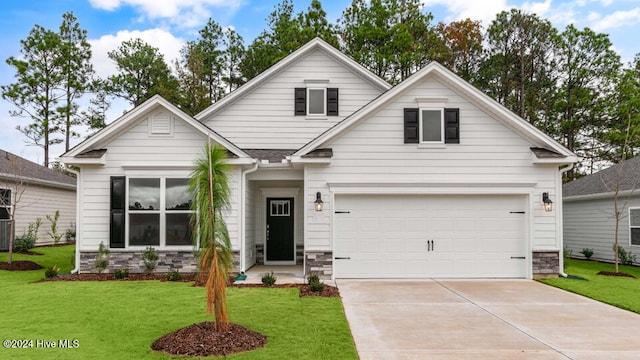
{"x":587,"y":253}
{"x":269,"y":279}
{"x":174,"y":275}
{"x":70,"y":234}
{"x":24,"y":243}
{"x":55,"y":235}
{"x":315,"y":284}
{"x":625,"y":257}
{"x":121,"y":273}
{"x":102,"y":260}
{"x":52,"y":272}
{"x":150,"y":258}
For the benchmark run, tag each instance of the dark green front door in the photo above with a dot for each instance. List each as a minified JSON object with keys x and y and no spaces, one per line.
{"x":280,"y":242}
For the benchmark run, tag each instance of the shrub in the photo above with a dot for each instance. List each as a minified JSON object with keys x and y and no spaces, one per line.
{"x":102,"y":260}
{"x":121,"y":273}
{"x":150,"y":258}
{"x":24,"y":243}
{"x":269,"y":279}
{"x":625,"y":257}
{"x":587,"y":253}
{"x":70,"y":234}
{"x":315,"y":284}
{"x":32,"y":228}
{"x":54,"y":227}
{"x":174,"y":275}
{"x":52,"y":272}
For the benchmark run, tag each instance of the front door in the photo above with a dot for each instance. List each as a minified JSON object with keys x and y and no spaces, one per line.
{"x":280,"y":246}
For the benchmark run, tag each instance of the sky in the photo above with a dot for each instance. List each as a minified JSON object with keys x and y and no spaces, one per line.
{"x":168,"y":24}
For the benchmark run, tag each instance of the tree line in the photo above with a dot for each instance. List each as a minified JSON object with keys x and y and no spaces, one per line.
{"x":569,"y":82}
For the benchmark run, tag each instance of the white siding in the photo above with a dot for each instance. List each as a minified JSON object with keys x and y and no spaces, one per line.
{"x":264,"y":118}
{"x":489,"y":152}
{"x":591,"y":224}
{"x":136,"y":149}
{"x":38,"y":202}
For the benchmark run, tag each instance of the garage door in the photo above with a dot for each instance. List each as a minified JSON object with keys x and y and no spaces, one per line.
{"x":420,"y":236}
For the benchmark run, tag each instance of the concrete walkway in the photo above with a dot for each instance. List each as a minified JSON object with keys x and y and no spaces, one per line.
{"x":484,"y":319}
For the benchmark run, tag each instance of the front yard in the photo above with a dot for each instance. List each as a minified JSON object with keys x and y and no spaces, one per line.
{"x":618,"y":291}
{"x":120,"y":319}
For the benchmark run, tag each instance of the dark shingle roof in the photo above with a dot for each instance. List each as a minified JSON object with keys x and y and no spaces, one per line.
{"x":604,"y":181}
{"x":273,"y":155}
{"x":13,"y":165}
{"x":542,"y":153}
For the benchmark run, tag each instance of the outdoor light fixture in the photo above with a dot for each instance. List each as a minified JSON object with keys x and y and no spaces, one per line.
{"x":319,"y":203}
{"x":546,"y":201}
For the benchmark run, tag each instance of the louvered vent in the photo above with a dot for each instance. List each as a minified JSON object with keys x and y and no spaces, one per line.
{"x":161,"y":124}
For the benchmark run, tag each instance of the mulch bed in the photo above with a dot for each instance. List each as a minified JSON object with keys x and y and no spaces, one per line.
{"x":20,"y":265}
{"x":201,"y":340}
{"x":611,"y":273}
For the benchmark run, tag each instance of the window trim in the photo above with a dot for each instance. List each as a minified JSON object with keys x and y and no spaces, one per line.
{"x":421,"y":140}
{"x":7,"y":206}
{"x":324,"y":102}
{"x":162,"y":212}
{"x":633,"y":227}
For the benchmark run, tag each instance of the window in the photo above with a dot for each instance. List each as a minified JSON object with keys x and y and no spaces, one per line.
{"x":431,"y":127}
{"x":5,"y":204}
{"x":159,"y":212}
{"x":634,"y":226}
{"x":316,"y":101}
{"x":279,"y":208}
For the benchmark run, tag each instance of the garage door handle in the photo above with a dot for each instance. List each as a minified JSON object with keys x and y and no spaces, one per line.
{"x":519,"y":257}
{"x":429,"y":245}
{"x":342,"y":258}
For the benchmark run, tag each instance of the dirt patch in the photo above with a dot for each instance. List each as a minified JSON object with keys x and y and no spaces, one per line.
{"x":20,"y":265}
{"x":201,"y":340}
{"x":612,"y":273}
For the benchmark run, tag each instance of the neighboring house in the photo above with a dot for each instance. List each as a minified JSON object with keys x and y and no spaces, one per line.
{"x":43,"y":191}
{"x":430,"y":178}
{"x":589,"y":211}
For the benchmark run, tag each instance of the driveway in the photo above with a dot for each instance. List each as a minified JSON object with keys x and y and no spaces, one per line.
{"x":483,"y":319}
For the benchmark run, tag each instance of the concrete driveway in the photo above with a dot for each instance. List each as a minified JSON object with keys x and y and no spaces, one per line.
{"x":484,"y":319}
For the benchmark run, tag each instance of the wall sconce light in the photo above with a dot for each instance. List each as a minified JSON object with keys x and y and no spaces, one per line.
{"x":319,"y":203}
{"x":547,"y":202}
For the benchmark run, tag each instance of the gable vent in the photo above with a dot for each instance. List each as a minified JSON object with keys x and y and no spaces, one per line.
{"x":161,"y":124}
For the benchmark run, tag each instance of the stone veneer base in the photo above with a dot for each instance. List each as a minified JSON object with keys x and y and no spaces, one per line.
{"x":319,"y":262}
{"x":545,"y":263}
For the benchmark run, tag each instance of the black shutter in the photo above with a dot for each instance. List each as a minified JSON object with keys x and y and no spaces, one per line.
{"x":332,"y":102}
{"x":452,"y":126}
{"x":116,"y":223}
{"x":300,"y":101}
{"x":411,"y":126}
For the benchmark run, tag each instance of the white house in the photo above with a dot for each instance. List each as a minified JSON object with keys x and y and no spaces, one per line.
{"x":589,"y":211}
{"x":430,"y":178}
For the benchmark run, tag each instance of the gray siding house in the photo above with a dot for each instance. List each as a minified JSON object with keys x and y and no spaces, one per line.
{"x":43,"y":191}
{"x":429,"y":178}
{"x":589,"y":211}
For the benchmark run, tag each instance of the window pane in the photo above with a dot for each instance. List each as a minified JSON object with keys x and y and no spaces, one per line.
{"x":4,"y":213}
{"x":316,"y":101}
{"x":635,"y":236}
{"x":5,"y":197}
{"x":177,"y":194}
{"x":178,"y":229}
{"x":634,"y":218}
{"x":144,"y":229}
{"x":431,"y":125}
{"x":144,"y":194}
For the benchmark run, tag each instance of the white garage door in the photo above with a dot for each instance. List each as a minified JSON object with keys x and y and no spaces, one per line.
{"x":421,"y":236}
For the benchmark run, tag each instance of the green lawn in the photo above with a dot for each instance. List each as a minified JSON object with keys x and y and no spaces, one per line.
{"x":618,"y":291}
{"x":120,"y":320}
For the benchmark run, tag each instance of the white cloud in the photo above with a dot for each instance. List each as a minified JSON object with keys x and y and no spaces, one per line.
{"x":618,"y":19}
{"x":538,"y":8}
{"x":484,"y":11}
{"x":182,"y":13}
{"x":168,"y":44}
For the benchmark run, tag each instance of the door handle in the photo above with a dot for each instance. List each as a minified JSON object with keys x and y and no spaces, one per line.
{"x":432,"y":246}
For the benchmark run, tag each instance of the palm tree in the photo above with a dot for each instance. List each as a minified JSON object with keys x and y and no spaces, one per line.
{"x":210,"y":190}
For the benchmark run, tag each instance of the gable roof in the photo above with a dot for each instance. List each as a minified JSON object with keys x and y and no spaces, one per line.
{"x":625,"y":173}
{"x":85,"y":153}
{"x":315,"y":44}
{"x":12,"y":166}
{"x":480,"y":99}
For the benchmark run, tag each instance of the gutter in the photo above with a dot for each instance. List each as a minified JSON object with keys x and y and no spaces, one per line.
{"x":243,"y":195}
{"x":561,"y":227}
{"x":78,"y":196}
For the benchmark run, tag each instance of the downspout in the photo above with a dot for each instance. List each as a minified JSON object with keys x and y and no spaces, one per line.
{"x":78,"y":196}
{"x":243,"y":195}
{"x":561,"y":225}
